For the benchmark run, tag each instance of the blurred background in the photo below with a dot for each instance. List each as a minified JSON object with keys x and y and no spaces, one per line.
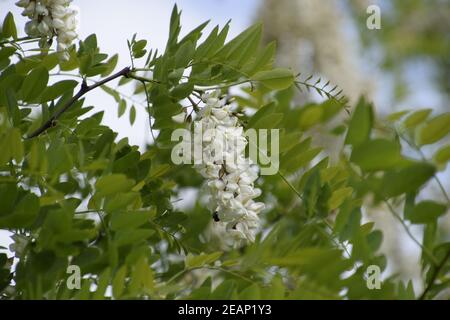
{"x":403,"y":65}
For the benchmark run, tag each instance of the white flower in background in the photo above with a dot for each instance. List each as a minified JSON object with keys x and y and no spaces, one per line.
{"x":49,"y":18}
{"x":230,"y":175}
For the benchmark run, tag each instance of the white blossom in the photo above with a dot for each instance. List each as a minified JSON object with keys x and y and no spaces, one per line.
{"x":51,"y":18}
{"x":230,"y":174}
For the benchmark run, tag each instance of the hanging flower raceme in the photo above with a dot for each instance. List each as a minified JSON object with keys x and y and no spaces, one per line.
{"x":50,"y":18}
{"x":230,"y":175}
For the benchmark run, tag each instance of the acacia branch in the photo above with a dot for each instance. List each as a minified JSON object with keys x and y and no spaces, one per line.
{"x":85,"y":88}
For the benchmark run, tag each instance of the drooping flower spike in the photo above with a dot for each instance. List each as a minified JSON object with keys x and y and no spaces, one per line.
{"x":230,"y":175}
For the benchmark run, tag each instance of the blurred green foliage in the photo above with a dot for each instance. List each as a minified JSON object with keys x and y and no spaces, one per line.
{"x":410,"y":30}
{"x":75,"y":195}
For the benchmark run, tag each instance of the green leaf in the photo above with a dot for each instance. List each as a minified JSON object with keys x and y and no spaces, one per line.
{"x":311,"y":192}
{"x":142,"y":279}
{"x":339,"y":196}
{"x":426,"y":212}
{"x":234,"y":48}
{"x":176,"y":74}
{"x":416,"y":118}
{"x":301,"y":159}
{"x":263,"y":60}
{"x":396,"y":115}
{"x":321,"y":263}
{"x":118,"y":283}
{"x":159,"y":170}
{"x":277,"y":289}
{"x":112,"y":184}
{"x":13,"y":107}
{"x":378,"y":154}
{"x":125,"y":237}
{"x":203,"y":48}
{"x":374,"y":240}
{"x":442,"y":156}
{"x":194,"y":34}
{"x":182,"y":90}
{"x":218,"y":41}
{"x":103,"y":282}
{"x":406,"y":293}
{"x":8,"y":197}
{"x":406,"y":179}
{"x":347,"y":222}
{"x":121,"y":201}
{"x":224,"y":291}
{"x":195,"y":261}
{"x":131,"y":219}
{"x":57,"y":89}
{"x":138,"y":49}
{"x":288,"y":141}
{"x":34,"y":83}
{"x":248,"y":50}
{"x":132,"y":115}
{"x":252,"y":292}
{"x":184,"y":54}
{"x":310,"y":116}
{"x":111,"y":65}
{"x":261,"y":113}
{"x":11,"y":146}
{"x":434,"y":129}
{"x":276,"y":79}
{"x":139,"y":46}
{"x":121,"y":108}
{"x":269,"y":121}
{"x":9,"y":27}
{"x":6,"y":52}
{"x":113,"y":93}
{"x":174,"y":29}
{"x":25,"y":212}
{"x":360,"y":124}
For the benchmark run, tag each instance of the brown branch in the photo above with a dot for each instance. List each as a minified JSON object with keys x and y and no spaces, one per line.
{"x":51,"y":122}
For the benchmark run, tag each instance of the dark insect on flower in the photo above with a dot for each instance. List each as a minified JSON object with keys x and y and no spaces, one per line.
{"x":223,"y":170}
{"x":216,"y":216}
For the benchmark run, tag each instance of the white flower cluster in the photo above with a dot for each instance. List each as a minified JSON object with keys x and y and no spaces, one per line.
{"x":230,"y":175}
{"x":51,"y":18}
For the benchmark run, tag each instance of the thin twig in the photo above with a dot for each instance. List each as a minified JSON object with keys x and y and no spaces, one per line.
{"x":119,"y":92}
{"x":290,"y":185}
{"x":405,"y":226}
{"x":435,"y":274}
{"x":18,"y":40}
{"x":194,"y":105}
{"x":83,"y":90}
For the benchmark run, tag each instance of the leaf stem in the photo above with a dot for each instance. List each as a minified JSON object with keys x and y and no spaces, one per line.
{"x":402,"y":222}
{"x":422,"y":155}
